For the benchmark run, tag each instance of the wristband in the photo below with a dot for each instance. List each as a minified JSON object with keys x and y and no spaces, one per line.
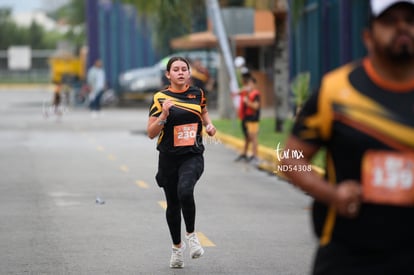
{"x":162,"y":122}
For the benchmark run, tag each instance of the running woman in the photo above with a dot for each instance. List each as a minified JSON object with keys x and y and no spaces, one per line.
{"x":177,"y":115}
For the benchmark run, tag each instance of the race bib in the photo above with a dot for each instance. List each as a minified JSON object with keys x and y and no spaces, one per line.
{"x":185,"y":135}
{"x":388,"y":178}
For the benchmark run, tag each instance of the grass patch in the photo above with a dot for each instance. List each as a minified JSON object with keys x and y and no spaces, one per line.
{"x":267,"y":135}
{"x":12,"y":79}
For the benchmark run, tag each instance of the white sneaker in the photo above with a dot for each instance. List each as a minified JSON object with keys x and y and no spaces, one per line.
{"x":196,"y":250}
{"x":177,"y":257}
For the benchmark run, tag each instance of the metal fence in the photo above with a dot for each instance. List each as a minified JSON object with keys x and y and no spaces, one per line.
{"x":39,"y":71}
{"x":327,"y":35}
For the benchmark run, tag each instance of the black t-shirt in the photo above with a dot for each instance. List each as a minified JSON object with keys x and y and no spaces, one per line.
{"x":182,"y":132}
{"x":355,"y":112}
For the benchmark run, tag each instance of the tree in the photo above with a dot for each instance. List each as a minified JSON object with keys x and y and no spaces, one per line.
{"x":36,"y":33}
{"x":35,"y":36}
{"x":72,"y":13}
{"x":171,"y":18}
{"x":10,"y":33}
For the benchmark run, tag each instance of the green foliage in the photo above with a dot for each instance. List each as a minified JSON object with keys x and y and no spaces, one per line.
{"x":300,"y":89}
{"x":36,"y":36}
{"x":5,"y":15}
{"x":74,"y":14}
{"x":11,"y":34}
{"x":50,"y":39}
{"x":171,"y":18}
{"x":297,"y":7}
{"x":267,"y":135}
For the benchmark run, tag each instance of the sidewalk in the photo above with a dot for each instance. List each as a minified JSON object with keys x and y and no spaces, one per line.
{"x":25,"y":86}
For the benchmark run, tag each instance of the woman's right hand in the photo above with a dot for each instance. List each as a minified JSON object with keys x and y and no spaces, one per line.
{"x":166,"y":105}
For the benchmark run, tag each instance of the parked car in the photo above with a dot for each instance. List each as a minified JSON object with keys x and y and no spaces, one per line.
{"x":138,"y":83}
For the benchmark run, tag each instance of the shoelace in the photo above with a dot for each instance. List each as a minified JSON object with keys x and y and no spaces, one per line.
{"x":193,"y":241}
{"x":178,"y":253}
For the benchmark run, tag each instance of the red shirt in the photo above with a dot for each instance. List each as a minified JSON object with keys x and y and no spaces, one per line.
{"x":244,"y":110}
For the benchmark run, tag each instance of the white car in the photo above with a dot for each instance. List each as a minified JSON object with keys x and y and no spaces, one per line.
{"x":137,"y":83}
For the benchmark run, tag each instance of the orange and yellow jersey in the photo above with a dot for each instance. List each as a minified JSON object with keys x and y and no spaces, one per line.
{"x":355,"y":112}
{"x":182,"y":132}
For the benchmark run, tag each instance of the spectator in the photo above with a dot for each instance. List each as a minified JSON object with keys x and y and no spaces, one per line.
{"x":249,"y":114}
{"x":97,"y":82}
{"x":200,"y":75}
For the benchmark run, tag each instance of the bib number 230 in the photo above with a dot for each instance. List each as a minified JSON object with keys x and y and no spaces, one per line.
{"x":185,"y":135}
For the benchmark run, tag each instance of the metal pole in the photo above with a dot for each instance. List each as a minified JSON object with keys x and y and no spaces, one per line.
{"x":213,"y":7}
{"x":92,"y":31}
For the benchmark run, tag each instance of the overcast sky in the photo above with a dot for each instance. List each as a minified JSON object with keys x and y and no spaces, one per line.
{"x":31,"y":5}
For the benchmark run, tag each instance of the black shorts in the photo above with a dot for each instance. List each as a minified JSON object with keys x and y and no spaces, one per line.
{"x":56,"y":99}
{"x":170,"y":167}
{"x":339,"y":259}
{"x":244,"y":128}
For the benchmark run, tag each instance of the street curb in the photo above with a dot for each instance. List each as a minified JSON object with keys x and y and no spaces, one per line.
{"x":25,"y":86}
{"x":267,"y":156}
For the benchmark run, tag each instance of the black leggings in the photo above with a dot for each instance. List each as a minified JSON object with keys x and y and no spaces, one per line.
{"x":177,"y":175}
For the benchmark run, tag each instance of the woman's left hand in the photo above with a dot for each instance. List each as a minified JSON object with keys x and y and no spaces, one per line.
{"x":210,"y":129}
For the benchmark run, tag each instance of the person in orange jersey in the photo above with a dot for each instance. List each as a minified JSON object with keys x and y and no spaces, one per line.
{"x":176,"y":116}
{"x":363,"y":115}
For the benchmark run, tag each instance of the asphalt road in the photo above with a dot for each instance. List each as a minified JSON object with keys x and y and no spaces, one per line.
{"x":53,"y":170}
